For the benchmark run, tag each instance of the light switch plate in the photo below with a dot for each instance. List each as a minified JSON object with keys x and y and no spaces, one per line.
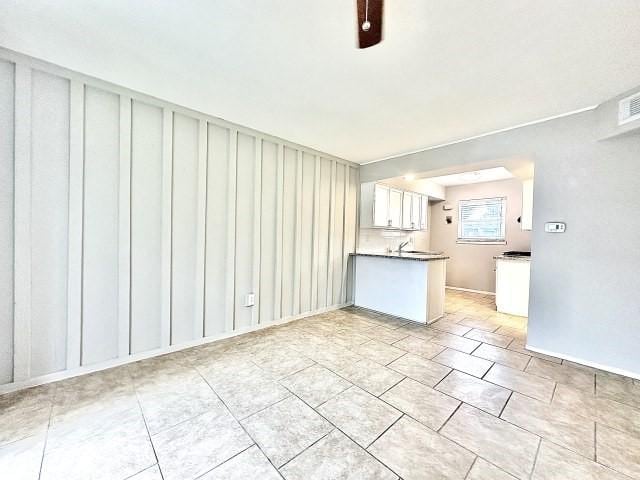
{"x":555,"y":227}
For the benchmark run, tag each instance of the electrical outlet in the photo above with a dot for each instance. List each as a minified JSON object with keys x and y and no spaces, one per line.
{"x":249,"y":299}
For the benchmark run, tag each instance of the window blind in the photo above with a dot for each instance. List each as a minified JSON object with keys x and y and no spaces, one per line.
{"x":482,"y":220}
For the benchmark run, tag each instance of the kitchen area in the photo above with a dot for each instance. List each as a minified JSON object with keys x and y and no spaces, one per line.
{"x":422,"y":236}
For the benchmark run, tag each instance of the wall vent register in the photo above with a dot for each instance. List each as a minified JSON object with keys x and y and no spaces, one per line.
{"x":629,"y":109}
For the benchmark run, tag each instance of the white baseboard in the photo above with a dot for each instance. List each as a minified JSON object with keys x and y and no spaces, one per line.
{"x":586,"y":363}
{"x":54,"y":377}
{"x":471,"y":290}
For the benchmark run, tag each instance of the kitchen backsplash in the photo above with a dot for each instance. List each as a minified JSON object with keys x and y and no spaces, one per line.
{"x":377,"y":239}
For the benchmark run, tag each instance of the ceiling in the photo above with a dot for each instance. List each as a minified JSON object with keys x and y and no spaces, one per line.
{"x":446,"y":70}
{"x":477,"y":176}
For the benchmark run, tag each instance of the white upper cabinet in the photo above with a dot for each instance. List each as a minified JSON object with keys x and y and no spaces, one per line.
{"x":415,"y":211}
{"x":526,"y":220}
{"x":424,"y":212}
{"x":395,"y":208}
{"x":407,"y":204}
{"x":386,"y":207}
{"x":381,"y":206}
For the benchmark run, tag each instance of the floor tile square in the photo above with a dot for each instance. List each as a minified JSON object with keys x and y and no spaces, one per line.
{"x":423,"y":403}
{"x":486,"y":436}
{"x":379,"y":352}
{"x":483,"y":470}
{"x":196,"y":446}
{"x":504,"y":357}
{"x":21,"y":459}
{"x":151,"y":473}
{"x":250,"y":464}
{"x":166,"y":407}
{"x":556,"y":424}
{"x":463,"y":362}
{"x":457,"y":343}
{"x":618,"y":450}
{"x":315,"y":385}
{"x":483,"y":395}
{"x":359,"y":414}
{"x":562,"y":374}
{"x":618,"y":389}
{"x":416,"y":452}
{"x":525,"y":383}
{"x":420,"y":369}
{"x":285,"y":429}
{"x":490,"y":338}
{"x":104,"y":456}
{"x":336,"y":457}
{"x":370,"y":376}
{"x":557,"y":463}
{"x":248,"y":391}
{"x":419,"y":346}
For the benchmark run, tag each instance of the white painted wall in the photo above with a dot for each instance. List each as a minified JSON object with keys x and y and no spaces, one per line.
{"x":140,"y":225}
{"x":472,"y":265}
{"x":584,"y":299}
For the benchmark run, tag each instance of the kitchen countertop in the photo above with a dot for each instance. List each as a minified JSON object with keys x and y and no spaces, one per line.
{"x":402,"y":256}
{"x":513,"y":257}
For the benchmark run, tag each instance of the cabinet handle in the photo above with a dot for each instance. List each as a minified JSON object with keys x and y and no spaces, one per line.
{"x":389,"y":223}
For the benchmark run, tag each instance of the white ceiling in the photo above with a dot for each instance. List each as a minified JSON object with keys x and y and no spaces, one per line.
{"x":445,"y":71}
{"x":476,"y":176}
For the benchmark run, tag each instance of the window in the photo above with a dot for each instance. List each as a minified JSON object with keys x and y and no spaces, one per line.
{"x":482,"y":220}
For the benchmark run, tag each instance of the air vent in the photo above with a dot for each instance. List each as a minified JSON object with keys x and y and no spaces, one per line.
{"x":629,"y":109}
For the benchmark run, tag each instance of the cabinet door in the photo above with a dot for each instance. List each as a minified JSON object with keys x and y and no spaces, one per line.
{"x":395,"y":208}
{"x":381,"y":206}
{"x":526,"y":220}
{"x":406,"y":210}
{"x":415,"y":211}
{"x":424,"y":212}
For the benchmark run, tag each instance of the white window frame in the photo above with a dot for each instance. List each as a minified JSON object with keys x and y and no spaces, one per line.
{"x":483,"y":241}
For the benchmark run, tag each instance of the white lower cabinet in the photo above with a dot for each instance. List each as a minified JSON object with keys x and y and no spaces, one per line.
{"x":512,"y":286}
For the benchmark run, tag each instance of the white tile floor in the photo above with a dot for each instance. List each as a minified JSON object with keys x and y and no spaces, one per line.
{"x":344,"y":395}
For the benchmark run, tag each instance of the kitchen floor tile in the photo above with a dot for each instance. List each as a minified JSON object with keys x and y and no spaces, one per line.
{"x":483,"y":395}
{"x":463,"y":362}
{"x":285,"y":429}
{"x":618,"y":450}
{"x":525,"y":383}
{"x":420,"y":369}
{"x":379,"y":352}
{"x":21,"y":459}
{"x":557,"y":463}
{"x":490,"y":338}
{"x":416,"y":452}
{"x":562,"y":374}
{"x":501,"y":443}
{"x":457,"y":343}
{"x":419,"y":346}
{"x":483,"y":470}
{"x":503,"y":357}
{"x":370,"y":376}
{"x":551,"y":422}
{"x":359,"y":414}
{"x":250,"y":464}
{"x":428,"y":406}
{"x":315,"y":385}
{"x":336,"y":457}
{"x":194,"y":447}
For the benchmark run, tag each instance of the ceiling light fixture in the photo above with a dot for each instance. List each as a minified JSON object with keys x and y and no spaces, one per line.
{"x":409,"y":176}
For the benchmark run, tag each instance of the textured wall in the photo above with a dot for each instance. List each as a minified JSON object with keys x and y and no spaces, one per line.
{"x":140,"y":224}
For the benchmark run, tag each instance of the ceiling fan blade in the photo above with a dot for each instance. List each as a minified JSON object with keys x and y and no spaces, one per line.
{"x":372,"y":36}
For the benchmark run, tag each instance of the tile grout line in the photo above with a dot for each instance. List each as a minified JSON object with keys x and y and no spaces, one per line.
{"x":46,"y":436}
{"x":240,"y":423}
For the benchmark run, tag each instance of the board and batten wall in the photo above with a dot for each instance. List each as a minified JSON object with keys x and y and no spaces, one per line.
{"x":130,"y":226}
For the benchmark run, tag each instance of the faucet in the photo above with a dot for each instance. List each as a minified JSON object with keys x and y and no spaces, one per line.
{"x":402,"y":245}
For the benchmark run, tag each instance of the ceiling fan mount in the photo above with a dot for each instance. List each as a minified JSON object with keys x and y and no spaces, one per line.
{"x":369,"y":22}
